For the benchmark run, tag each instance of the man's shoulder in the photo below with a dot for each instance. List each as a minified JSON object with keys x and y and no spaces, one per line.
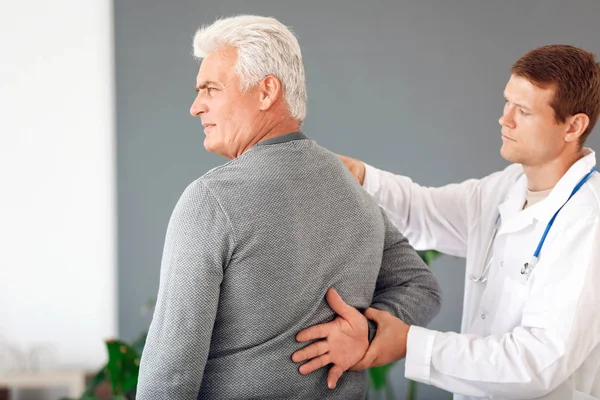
{"x":195,"y":193}
{"x":217,"y":173}
{"x":506,"y":177}
{"x":225,"y":174}
{"x":587,"y":203}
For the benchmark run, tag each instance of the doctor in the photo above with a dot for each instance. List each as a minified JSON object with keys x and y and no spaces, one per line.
{"x":531,"y":238}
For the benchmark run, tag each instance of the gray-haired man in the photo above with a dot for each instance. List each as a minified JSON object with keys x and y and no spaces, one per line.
{"x":253,"y":245}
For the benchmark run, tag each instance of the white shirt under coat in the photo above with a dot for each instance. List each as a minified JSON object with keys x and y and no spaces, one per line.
{"x":535,"y":338}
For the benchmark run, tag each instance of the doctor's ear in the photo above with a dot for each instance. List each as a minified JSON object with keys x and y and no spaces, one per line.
{"x":576,"y":125}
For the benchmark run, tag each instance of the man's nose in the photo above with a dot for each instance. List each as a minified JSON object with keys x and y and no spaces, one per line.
{"x":507,"y":118}
{"x":198,"y":107}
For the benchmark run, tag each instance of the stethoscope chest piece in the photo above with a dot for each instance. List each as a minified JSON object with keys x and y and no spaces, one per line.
{"x":528,"y":267}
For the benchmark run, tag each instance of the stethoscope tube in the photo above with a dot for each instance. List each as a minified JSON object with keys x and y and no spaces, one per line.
{"x":529,"y":266}
{"x":484,"y":274}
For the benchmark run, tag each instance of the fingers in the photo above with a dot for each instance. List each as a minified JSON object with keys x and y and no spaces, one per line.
{"x":338,"y":305}
{"x":335,"y":373}
{"x":314,"y":350}
{"x":356,"y":167}
{"x":362,"y":364}
{"x":314,"y":332}
{"x":375,"y":314}
{"x":368,"y":360}
{"x":346,"y":160}
{"x":315,"y":364}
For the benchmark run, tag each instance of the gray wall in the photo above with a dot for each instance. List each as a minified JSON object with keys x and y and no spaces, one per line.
{"x":409,"y":86}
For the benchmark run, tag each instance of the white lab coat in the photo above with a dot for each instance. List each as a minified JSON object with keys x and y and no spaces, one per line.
{"x":522,"y":338}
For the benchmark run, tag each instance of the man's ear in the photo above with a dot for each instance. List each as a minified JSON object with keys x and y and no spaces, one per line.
{"x":269,"y":91}
{"x":576,"y":125}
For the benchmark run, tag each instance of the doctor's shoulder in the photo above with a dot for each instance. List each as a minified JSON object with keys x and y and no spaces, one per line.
{"x":501,"y":182}
{"x":586,"y":204}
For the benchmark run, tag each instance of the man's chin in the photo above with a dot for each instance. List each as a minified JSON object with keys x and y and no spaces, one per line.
{"x":208,"y":145}
{"x":506,"y":154}
{"x":511,"y":157}
{"x":214,"y":148}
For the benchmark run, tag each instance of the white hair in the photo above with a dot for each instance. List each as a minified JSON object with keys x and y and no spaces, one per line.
{"x":264,"y":47}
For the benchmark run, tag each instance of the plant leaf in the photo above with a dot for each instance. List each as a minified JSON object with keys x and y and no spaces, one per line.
{"x":123,"y":366}
{"x":379,"y":376}
{"x":411,"y":390}
{"x":93,"y":383}
{"x":429,"y":255}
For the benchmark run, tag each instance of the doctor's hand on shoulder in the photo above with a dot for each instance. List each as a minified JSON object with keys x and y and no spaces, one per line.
{"x":356,"y":168}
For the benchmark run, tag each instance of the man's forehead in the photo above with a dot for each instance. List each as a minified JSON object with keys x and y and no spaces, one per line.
{"x":217,"y":65}
{"x":522,"y":88}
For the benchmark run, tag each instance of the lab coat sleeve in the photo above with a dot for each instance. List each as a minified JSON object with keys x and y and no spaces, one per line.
{"x":430,"y":218}
{"x":406,"y":287}
{"x":559,"y":329}
{"x":198,"y":245}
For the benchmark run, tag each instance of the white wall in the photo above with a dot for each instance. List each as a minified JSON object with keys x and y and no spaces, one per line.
{"x":57,"y":177}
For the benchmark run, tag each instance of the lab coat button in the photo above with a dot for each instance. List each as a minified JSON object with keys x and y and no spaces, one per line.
{"x":482,"y":316}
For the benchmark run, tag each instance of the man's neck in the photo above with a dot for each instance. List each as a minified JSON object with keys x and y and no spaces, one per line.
{"x":281,"y":128}
{"x":546,"y":176}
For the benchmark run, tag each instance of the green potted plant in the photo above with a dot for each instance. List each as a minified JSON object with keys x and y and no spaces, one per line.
{"x":120,"y":373}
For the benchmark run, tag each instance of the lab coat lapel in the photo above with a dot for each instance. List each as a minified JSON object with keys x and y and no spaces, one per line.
{"x":545,"y":210}
{"x":512,"y":219}
{"x":512,"y":215}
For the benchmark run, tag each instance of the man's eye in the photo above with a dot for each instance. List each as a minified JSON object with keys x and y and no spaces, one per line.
{"x":523,"y":112}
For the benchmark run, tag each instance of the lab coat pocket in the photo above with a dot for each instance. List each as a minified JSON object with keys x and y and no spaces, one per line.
{"x":510,"y":306}
{"x":577,"y":395}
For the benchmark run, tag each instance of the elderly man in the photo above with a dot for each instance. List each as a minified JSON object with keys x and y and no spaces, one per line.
{"x":253,"y":245}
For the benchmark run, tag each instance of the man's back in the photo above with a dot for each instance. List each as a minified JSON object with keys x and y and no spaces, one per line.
{"x":301,"y":225}
{"x":291,"y":223}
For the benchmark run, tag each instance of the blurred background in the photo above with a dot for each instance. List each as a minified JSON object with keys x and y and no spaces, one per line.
{"x":97,"y":144}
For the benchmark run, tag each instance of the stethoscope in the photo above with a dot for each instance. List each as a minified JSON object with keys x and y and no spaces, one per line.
{"x":528,"y":266}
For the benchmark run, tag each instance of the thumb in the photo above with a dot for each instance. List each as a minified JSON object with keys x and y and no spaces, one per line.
{"x":375,"y":314}
{"x":338,"y":305}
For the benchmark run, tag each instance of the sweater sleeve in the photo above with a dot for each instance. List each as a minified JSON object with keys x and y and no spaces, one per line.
{"x":406,"y":288}
{"x":198,"y":246}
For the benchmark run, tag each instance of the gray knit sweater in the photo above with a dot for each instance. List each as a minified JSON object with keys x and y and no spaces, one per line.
{"x":251,"y":248}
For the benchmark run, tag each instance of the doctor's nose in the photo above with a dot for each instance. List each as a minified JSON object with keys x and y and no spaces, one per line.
{"x":507,"y":120}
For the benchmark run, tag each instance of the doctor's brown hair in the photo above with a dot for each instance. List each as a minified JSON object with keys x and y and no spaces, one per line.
{"x":572,"y":72}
